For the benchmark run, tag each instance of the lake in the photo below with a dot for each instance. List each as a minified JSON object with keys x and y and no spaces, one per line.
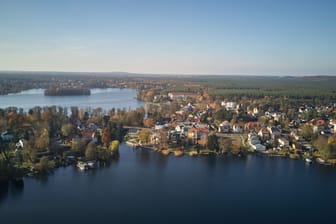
{"x":147,"y":187}
{"x":103,"y":98}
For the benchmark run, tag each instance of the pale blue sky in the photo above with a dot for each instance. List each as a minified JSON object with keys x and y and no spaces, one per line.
{"x":262,"y":37}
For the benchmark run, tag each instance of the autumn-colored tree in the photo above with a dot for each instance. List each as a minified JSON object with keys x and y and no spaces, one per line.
{"x":91,"y":151}
{"x":67,"y":129}
{"x":12,"y":118}
{"x":307,"y":131}
{"x":321,"y":144}
{"x":106,"y":136}
{"x":46,"y":115}
{"x":163,"y":138}
{"x":114,"y":146}
{"x":225,"y":144}
{"x":83,"y":115}
{"x":332,"y":140}
{"x":213,"y":142}
{"x":149,"y":95}
{"x":149,"y":122}
{"x":203,"y":141}
{"x":103,"y":153}
{"x":233,"y":120}
{"x":45,"y":164}
{"x":43,"y":139}
{"x":144,"y":135}
{"x":78,"y":145}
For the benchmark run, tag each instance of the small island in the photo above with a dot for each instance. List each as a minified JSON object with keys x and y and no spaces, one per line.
{"x":68,"y":91}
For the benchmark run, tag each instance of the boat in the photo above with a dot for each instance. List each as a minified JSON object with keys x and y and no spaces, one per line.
{"x":91,"y":164}
{"x":308,"y":160}
{"x":132,"y":143}
{"x":321,"y":161}
{"x":82,"y":165}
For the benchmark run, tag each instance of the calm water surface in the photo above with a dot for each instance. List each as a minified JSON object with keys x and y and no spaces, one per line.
{"x":147,"y":187}
{"x":103,"y":98}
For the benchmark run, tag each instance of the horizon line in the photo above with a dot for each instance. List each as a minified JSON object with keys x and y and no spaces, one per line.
{"x":166,"y":74}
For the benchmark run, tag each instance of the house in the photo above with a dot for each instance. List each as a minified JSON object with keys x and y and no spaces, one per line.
{"x":283,"y":142}
{"x":224,"y":127}
{"x":277,"y":116}
{"x":332,"y":126}
{"x":7,"y":136}
{"x":255,"y":143}
{"x":255,"y":111}
{"x":21,"y":143}
{"x":252,"y":126}
{"x":89,"y":135}
{"x":264,"y":133}
{"x":155,"y":138}
{"x":296,"y":135}
{"x":230,"y":105}
{"x":159,"y":126}
{"x":181,"y":95}
{"x":320,"y":123}
{"x":303,"y":109}
{"x":250,"y":112}
{"x":188,"y":108}
{"x":197,"y":133}
{"x":237,"y":128}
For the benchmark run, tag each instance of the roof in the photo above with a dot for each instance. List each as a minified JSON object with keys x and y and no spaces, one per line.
{"x":183,"y":93}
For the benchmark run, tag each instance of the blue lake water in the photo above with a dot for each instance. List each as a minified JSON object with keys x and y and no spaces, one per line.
{"x":147,"y":187}
{"x":103,"y":98}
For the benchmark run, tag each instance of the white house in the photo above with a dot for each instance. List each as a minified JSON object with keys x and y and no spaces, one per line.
{"x":224,"y":127}
{"x":237,"y":128}
{"x":181,"y":95}
{"x":283,"y":142}
{"x":230,"y":105}
{"x":255,"y":111}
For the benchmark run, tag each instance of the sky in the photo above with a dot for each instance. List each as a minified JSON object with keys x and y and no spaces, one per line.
{"x":256,"y":37}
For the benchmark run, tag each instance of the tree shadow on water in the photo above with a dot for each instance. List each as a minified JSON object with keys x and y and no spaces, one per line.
{"x":4,"y":189}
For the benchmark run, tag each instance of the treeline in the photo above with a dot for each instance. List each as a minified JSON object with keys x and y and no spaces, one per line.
{"x":305,"y":89}
{"x":52,"y":91}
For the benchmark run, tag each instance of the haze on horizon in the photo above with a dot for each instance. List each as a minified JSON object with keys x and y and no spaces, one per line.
{"x":262,"y":37}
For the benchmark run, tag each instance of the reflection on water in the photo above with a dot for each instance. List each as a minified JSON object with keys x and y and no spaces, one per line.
{"x":13,"y":189}
{"x":3,"y":191}
{"x":16,"y":189}
{"x":143,"y":156}
{"x":147,"y":187}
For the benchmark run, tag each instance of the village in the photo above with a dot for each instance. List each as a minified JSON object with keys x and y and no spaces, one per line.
{"x":179,"y":118}
{"x":230,"y":128}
